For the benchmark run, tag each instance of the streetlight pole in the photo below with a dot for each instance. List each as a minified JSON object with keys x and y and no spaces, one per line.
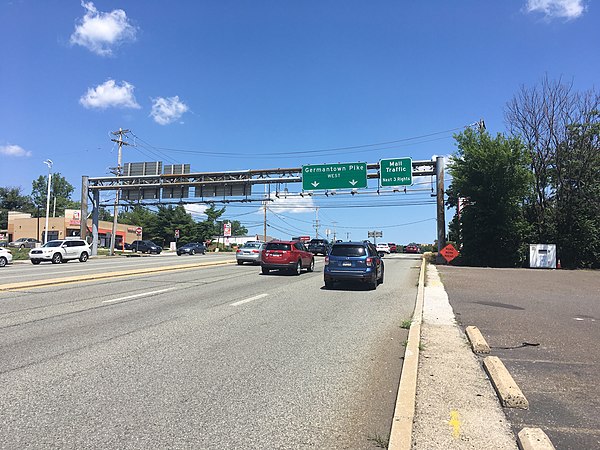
{"x":49,"y":163}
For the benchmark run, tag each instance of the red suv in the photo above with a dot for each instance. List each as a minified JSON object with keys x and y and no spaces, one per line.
{"x":290,"y":256}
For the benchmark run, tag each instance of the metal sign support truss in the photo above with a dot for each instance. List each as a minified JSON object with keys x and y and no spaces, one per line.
{"x":91,"y":188}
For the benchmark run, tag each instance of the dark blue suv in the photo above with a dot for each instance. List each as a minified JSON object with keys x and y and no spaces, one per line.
{"x":353,"y":261}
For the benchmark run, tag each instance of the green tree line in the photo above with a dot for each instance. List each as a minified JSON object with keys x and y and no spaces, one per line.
{"x":538,"y":184}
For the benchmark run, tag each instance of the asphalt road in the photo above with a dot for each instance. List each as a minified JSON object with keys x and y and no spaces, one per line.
{"x":212,"y":357}
{"x":560,"y":311}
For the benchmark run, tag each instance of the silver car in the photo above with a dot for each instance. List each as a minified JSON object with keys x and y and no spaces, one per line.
{"x":25,"y":243}
{"x":249,"y":252}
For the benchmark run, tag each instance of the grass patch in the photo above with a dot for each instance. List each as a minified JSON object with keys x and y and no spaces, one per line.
{"x":379,"y":440}
{"x":406,"y":324}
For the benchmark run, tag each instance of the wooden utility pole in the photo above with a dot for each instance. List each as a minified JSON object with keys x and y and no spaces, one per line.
{"x":121,"y":143}
{"x":441,"y":216}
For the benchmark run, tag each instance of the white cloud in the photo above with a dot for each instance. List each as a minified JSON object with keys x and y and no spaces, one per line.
{"x":99,"y":31}
{"x":553,"y":9}
{"x":167,"y":110}
{"x":291,"y":204}
{"x":109,"y":94}
{"x":196,"y":210}
{"x":13,"y":150}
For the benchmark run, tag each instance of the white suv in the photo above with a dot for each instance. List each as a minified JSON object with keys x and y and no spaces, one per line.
{"x":61,"y":250}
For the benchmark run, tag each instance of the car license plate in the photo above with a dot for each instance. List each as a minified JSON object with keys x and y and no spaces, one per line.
{"x":347,"y":264}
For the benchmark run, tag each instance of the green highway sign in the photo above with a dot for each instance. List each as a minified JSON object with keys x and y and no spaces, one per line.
{"x":334,"y":176}
{"x":395,"y":172}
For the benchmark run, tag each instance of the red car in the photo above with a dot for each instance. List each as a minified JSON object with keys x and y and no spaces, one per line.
{"x":393,"y":247}
{"x":290,"y":256}
{"x":412,"y":249}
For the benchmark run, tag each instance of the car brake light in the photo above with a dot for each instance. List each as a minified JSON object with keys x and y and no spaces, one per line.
{"x":326,"y":260}
{"x":254,"y":251}
{"x":369,"y":261}
{"x":238,"y":251}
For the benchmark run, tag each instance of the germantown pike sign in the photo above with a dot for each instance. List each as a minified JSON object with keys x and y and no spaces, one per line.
{"x":334,"y":176}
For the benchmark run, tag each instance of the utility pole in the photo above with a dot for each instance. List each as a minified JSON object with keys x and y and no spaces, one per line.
{"x":334,"y":231}
{"x":121,"y":143}
{"x":441,"y":218}
{"x":317,"y":222}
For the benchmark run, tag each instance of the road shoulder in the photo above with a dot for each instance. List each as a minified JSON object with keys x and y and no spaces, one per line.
{"x":456,"y":407}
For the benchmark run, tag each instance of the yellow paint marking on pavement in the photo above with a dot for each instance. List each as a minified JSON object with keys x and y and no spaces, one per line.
{"x":101,"y":276}
{"x":455,"y":423}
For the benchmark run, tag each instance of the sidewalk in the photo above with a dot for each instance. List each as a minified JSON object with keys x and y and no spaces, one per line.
{"x":456,"y":406}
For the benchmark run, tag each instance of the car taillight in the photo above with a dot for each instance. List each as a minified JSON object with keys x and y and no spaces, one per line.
{"x":238,"y":251}
{"x":326,"y":260}
{"x":253,"y":251}
{"x":369,"y":261}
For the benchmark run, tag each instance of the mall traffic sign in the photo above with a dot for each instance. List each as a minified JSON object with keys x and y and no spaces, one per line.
{"x":395,"y":172}
{"x":334,"y":176}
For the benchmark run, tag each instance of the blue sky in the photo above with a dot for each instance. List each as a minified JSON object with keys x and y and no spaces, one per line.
{"x":250,"y":84}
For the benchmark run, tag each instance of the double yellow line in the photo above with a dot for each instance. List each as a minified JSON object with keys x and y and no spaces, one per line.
{"x":101,"y":276}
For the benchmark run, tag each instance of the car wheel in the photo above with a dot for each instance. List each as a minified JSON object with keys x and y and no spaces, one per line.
{"x":56,"y":258}
{"x":35,"y":261}
{"x":328,"y":284}
{"x":83,"y":257}
{"x":311,"y":267}
{"x":22,"y":247}
{"x":134,"y":250}
{"x":239,"y":263}
{"x":264,"y":271}
{"x":381,"y":279}
{"x":3,"y":261}
{"x":298,"y":269}
{"x":192,"y":252}
{"x":373,"y":283}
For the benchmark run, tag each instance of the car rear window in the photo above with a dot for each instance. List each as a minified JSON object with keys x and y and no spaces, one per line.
{"x":252,"y":245}
{"x":348,"y":250}
{"x":278,"y":246}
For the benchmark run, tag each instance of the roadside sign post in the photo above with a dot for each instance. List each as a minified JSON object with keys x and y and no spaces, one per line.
{"x":138,"y":231}
{"x":375,"y":235}
{"x":334,"y":176}
{"x":395,"y":172}
{"x":176,"y":236}
{"x":227,"y":229}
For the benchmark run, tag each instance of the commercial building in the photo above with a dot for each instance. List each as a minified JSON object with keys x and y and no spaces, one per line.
{"x":24,"y":225}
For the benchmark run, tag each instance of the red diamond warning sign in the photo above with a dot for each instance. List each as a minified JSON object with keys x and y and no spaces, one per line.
{"x":449,"y":252}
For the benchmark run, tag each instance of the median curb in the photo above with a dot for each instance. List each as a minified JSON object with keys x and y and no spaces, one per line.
{"x":510,"y":394}
{"x":478,"y":342}
{"x":534,"y":439}
{"x":94,"y":277}
{"x":404,"y":412}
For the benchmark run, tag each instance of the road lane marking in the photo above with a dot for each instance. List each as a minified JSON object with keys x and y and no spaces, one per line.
{"x":143,"y":294}
{"x":455,"y":424}
{"x":111,"y":275}
{"x":256,"y":297}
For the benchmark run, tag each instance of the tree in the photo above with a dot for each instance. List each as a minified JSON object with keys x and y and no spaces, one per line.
{"x":577,"y":195}
{"x":491,"y":174}
{"x":60,"y":190}
{"x":11,"y":199}
{"x":559,"y":128}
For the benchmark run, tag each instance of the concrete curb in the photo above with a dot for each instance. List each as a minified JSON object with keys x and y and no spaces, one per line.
{"x":534,"y":439}
{"x":93,"y":277}
{"x":404,"y":412}
{"x":504,"y":384}
{"x":478,"y":342}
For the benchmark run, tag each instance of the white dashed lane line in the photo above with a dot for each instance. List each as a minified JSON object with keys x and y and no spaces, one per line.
{"x":256,"y":297}
{"x":143,"y":294}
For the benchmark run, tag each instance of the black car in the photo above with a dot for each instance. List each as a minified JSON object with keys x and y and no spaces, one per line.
{"x":353,"y":261}
{"x":316,"y":246}
{"x":145,"y":246}
{"x":191,"y":248}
